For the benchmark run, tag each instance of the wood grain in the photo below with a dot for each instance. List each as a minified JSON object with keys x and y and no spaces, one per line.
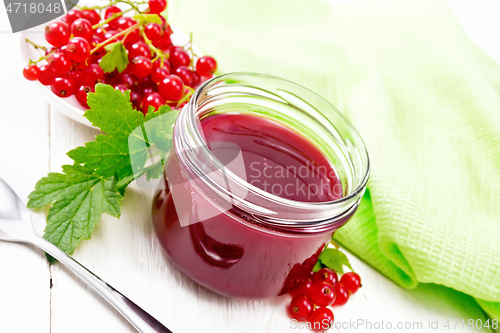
{"x":127,"y":255}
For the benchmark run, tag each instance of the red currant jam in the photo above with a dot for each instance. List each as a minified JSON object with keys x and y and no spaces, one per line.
{"x":233,"y":254}
{"x":277,"y":159}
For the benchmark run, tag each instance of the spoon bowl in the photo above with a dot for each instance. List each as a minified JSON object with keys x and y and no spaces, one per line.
{"x":15,"y":226}
{"x":15,"y":223}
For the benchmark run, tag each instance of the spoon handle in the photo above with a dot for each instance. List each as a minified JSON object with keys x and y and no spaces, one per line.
{"x":140,"y":319}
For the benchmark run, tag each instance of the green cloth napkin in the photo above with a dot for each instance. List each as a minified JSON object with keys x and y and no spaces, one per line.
{"x":426,"y":101}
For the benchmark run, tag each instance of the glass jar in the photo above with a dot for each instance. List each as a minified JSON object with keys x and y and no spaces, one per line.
{"x":230,"y":236}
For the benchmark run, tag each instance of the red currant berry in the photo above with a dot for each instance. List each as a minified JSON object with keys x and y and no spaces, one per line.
{"x":179,"y":57}
{"x":147,"y":91}
{"x":326,"y":275}
{"x":342,"y":295}
{"x":139,"y":49}
{"x":351,"y":281}
{"x":78,"y":49}
{"x":81,"y":95}
{"x":164,"y":64}
{"x":82,"y":28}
{"x":163,"y":43}
{"x":301,"y":307}
{"x":145,"y":82}
{"x":323,"y":294}
{"x":171,"y":88}
{"x":154,"y":99}
{"x":111,"y":78}
{"x":304,"y":287}
{"x":141,"y":66}
{"x":31,"y":72}
{"x":97,"y":55}
{"x":46,"y":75}
{"x":109,"y":34}
{"x":91,"y":15}
{"x":72,"y":15}
{"x":321,"y":319}
{"x":93,"y":74}
{"x":157,"y":6}
{"x":159,"y":74}
{"x":124,"y":23}
{"x":133,"y":37}
{"x":127,"y":80}
{"x":196,"y":79}
{"x":167,"y":29}
{"x":185,"y":74}
{"x":206,"y":66}
{"x":57,"y":33}
{"x":59,"y":64}
{"x":121,"y":87}
{"x":110,"y":11}
{"x":76,"y":76}
{"x":63,"y":87}
{"x":64,"y":50}
{"x":163,"y":21}
{"x":135,"y":98}
{"x":99,"y":33}
{"x":152,"y":31}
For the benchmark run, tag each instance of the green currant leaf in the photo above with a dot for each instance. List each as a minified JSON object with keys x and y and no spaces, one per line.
{"x":334,"y":259}
{"x":77,"y":201}
{"x":155,"y":171}
{"x":115,"y":58}
{"x":147,"y":18}
{"x":102,"y":168}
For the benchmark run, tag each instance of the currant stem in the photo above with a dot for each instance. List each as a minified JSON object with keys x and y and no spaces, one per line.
{"x":45,"y":57}
{"x":126,"y":35}
{"x":191,"y":51}
{"x":124,"y":32}
{"x":36,"y":45}
{"x":111,"y":18}
{"x":157,"y":51}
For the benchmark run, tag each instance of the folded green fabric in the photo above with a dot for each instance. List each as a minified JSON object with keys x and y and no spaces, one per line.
{"x":424,"y":98}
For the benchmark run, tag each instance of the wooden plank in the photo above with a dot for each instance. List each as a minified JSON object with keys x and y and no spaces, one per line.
{"x":24,"y":158}
{"x":126,"y":254}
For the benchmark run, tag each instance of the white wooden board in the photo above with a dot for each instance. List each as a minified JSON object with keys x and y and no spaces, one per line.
{"x":34,"y":139}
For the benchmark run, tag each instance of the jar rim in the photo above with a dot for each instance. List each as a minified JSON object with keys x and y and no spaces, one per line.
{"x":190,"y":111}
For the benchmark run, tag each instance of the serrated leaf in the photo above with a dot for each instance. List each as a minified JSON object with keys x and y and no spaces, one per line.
{"x":335,"y":259}
{"x":317,"y":267}
{"x":155,"y":171}
{"x":112,"y":111}
{"x":108,"y":155}
{"x":147,"y":18}
{"x":102,"y":168}
{"x":77,"y":201}
{"x":159,"y":130}
{"x":47,"y":189}
{"x":115,"y":58}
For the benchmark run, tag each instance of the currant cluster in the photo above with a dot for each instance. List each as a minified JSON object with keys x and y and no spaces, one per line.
{"x":150,"y":66}
{"x":315,"y":293}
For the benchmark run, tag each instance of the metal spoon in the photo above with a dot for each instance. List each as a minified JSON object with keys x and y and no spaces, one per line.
{"x":15,"y":226}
